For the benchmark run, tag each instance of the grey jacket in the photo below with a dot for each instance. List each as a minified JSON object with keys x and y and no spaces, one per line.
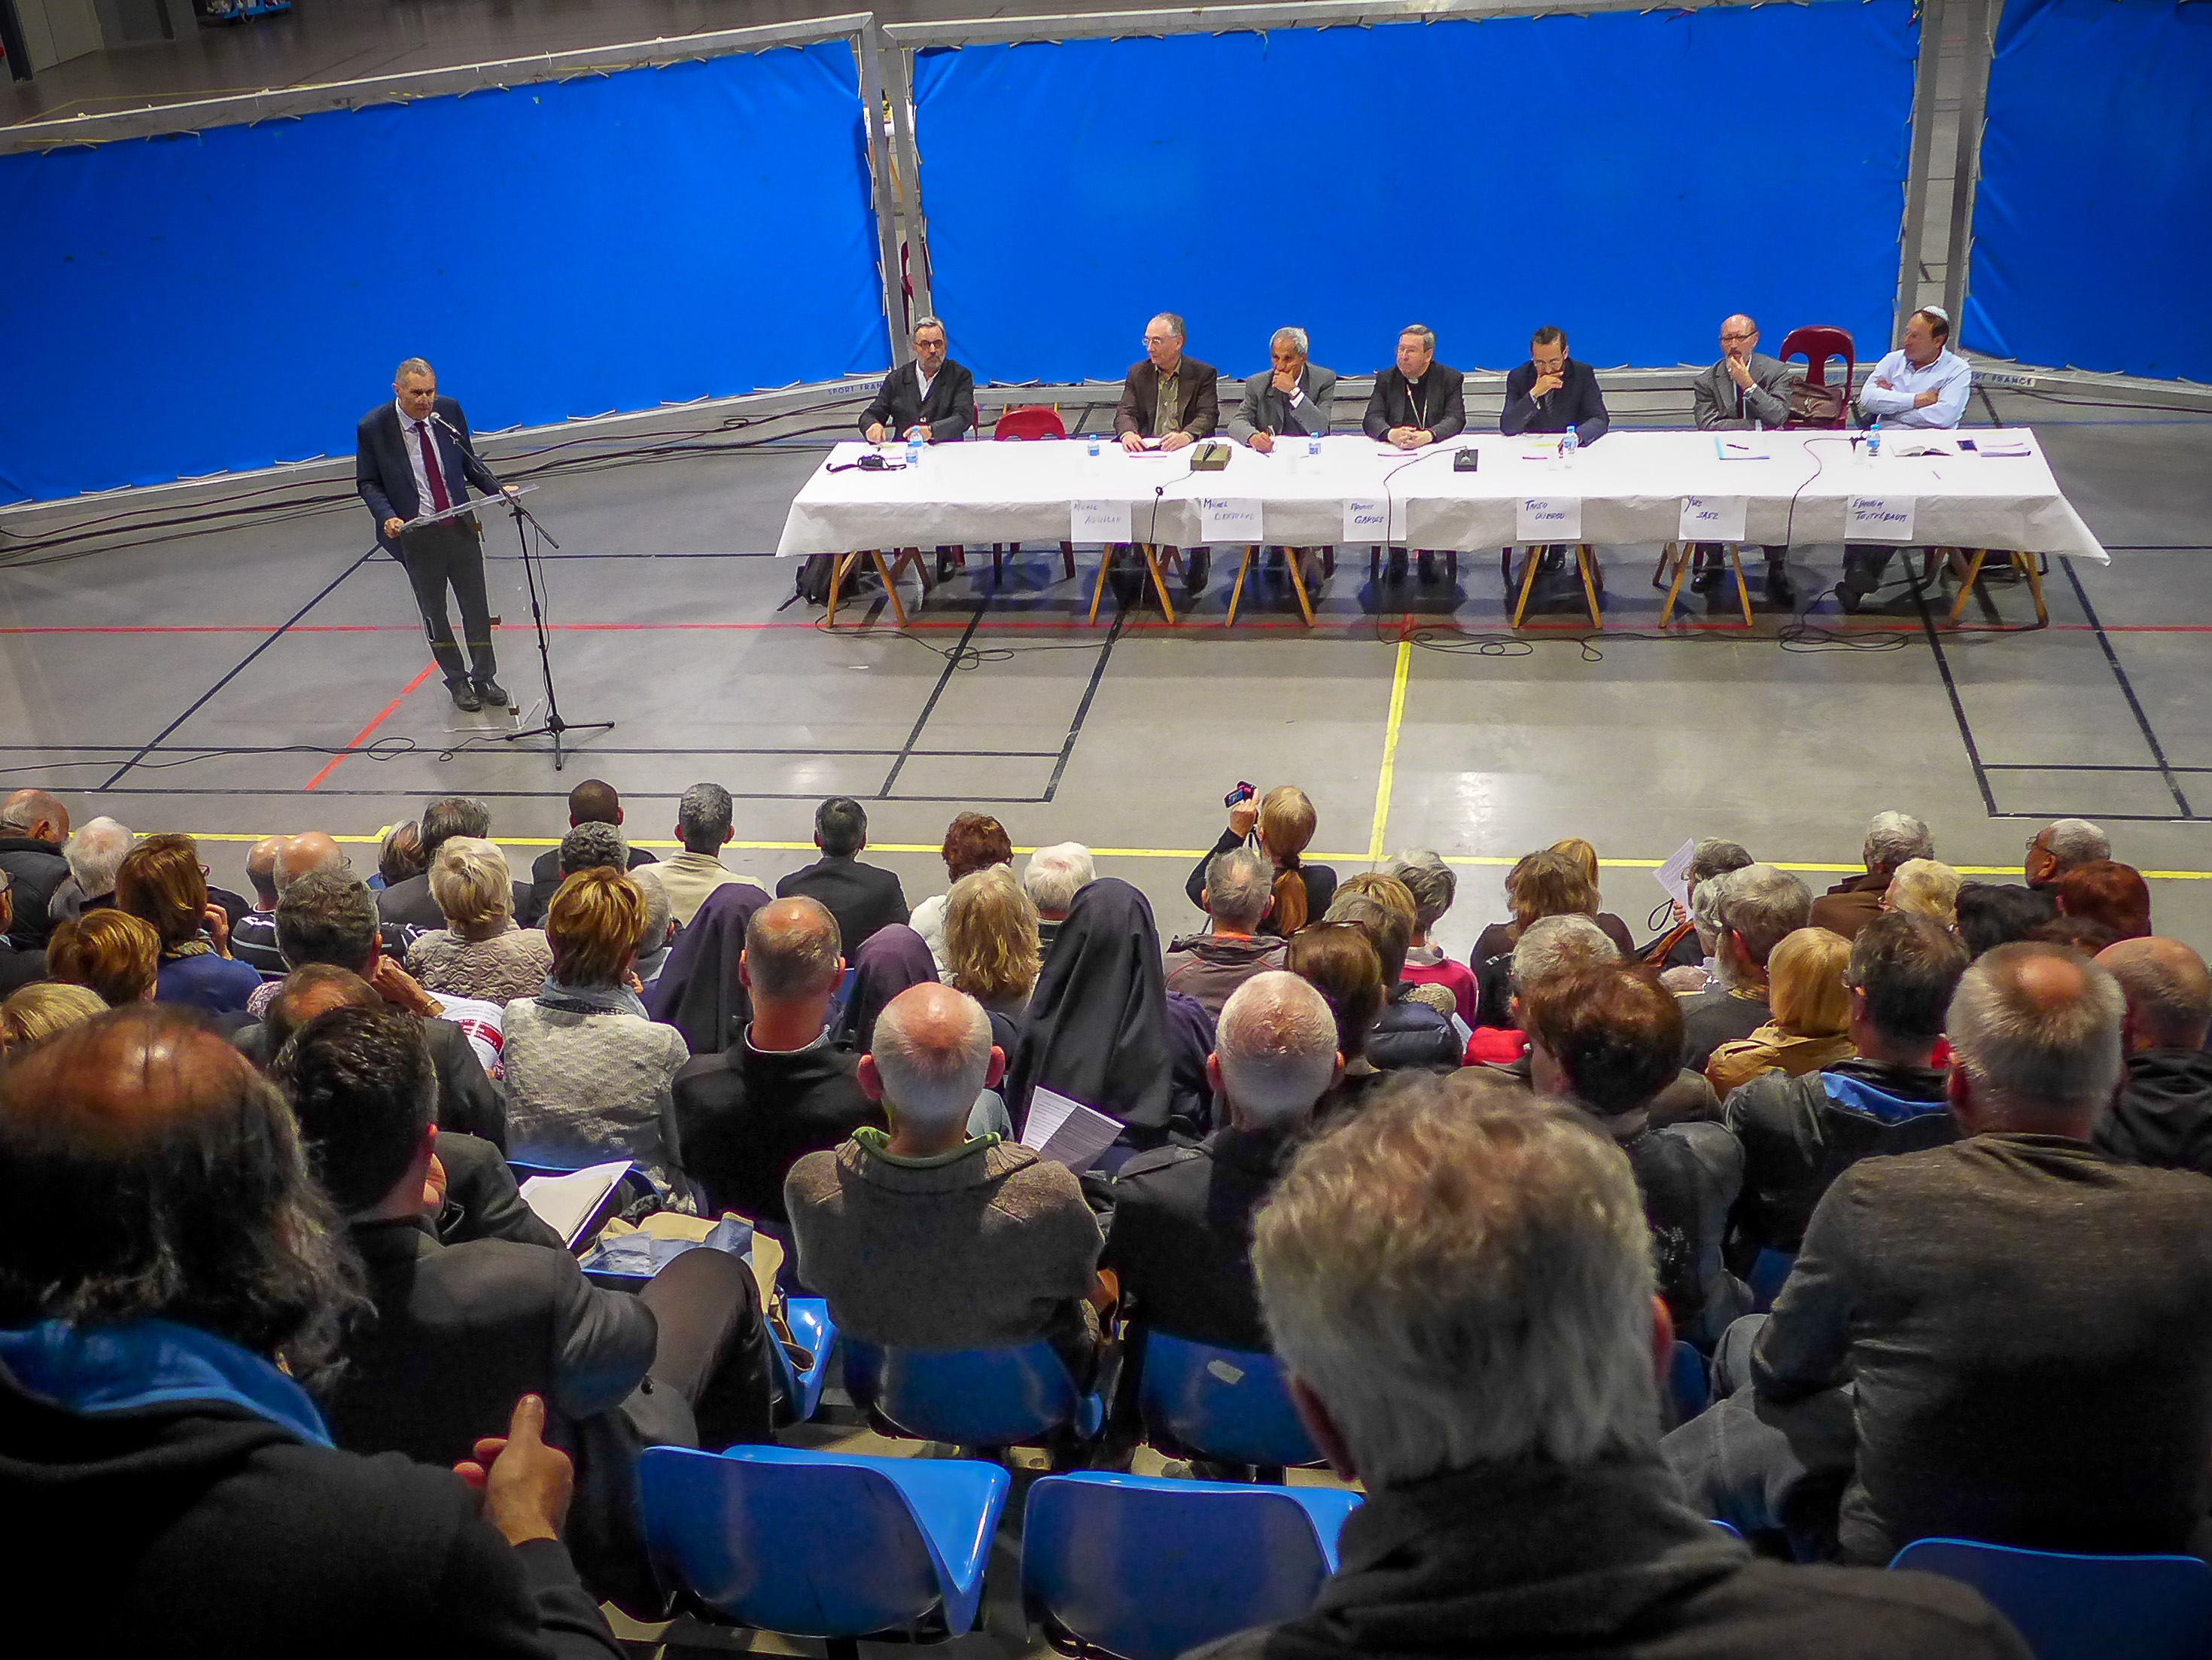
{"x":1265,"y":410}
{"x":1766,"y":404}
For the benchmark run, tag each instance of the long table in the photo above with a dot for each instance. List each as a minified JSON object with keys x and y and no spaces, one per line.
{"x":1790,"y":488}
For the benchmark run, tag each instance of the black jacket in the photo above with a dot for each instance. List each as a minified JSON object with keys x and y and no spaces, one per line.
{"x":1689,"y":1174}
{"x":2164,"y":1112}
{"x":1443,"y":413}
{"x":483,"y":1199}
{"x":384,"y":478}
{"x":1320,"y":880}
{"x":1598,"y":1562}
{"x":743,"y":1118}
{"x":1800,"y":1134}
{"x":20,"y":968}
{"x":1714,"y":1016}
{"x":34,"y":869}
{"x":204,"y":1531}
{"x":1181,"y":1236}
{"x":1410,"y":1035}
{"x":1578,"y":404}
{"x":468,"y":1101}
{"x":545,"y":882}
{"x":949,"y":411}
{"x":862,"y":897}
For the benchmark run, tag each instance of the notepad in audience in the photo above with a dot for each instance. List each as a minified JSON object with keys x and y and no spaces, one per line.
{"x":567,"y":1204}
{"x":1066,"y":1131}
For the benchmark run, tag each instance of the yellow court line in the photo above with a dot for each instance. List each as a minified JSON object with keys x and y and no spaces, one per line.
{"x":1390,"y":749}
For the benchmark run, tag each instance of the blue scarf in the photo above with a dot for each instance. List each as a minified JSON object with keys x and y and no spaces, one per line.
{"x":590,"y":1000}
{"x":94,"y":1370}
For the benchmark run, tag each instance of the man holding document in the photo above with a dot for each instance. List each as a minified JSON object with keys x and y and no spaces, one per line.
{"x":1745,"y":391}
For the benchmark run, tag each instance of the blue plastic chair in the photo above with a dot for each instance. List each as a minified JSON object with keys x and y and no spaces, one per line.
{"x":987,"y":1398}
{"x":823,"y":1544}
{"x":2083,"y":1608}
{"x":1146,"y":1568}
{"x":1232,"y":1406}
{"x":800,"y":1392}
{"x":1688,"y":1383}
{"x":1768,"y":1270}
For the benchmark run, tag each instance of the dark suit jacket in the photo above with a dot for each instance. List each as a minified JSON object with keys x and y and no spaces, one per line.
{"x":483,"y":1199}
{"x":745,"y":1117}
{"x":468,"y":1101}
{"x":950,"y":408}
{"x":545,"y":882}
{"x":1579,"y":402}
{"x":384,"y":478}
{"x":1181,"y":1236}
{"x":1140,"y":399}
{"x":862,"y":897}
{"x":1445,"y":403}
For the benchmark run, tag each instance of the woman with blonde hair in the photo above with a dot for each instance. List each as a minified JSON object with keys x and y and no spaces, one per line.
{"x":1923,"y":887}
{"x":112,"y":954}
{"x":480,"y":952}
{"x":1809,"y":1014}
{"x":1283,"y":822}
{"x":42,"y":1010}
{"x":991,"y":941}
{"x":973,"y":841}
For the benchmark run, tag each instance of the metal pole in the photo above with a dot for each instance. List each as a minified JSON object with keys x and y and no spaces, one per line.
{"x":1966,"y":170}
{"x":1914,"y":238}
{"x":867,"y":47}
{"x":898,"y":75}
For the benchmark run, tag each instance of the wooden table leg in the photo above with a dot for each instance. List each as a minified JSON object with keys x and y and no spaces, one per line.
{"x":1743,"y":593}
{"x":1237,"y":591}
{"x":1292,"y":559}
{"x":1159,"y":582}
{"x":1532,"y":558}
{"x":890,"y":585}
{"x":1098,"y":589}
{"x":1680,"y":554}
{"x":1966,"y":586}
{"x":1586,"y":562}
{"x":840,"y":565}
{"x":2026,"y":562}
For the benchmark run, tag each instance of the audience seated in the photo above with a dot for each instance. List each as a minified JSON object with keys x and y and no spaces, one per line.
{"x":154,"y":1423}
{"x":93,"y":852}
{"x":2113,"y":896}
{"x":410,"y":902}
{"x":588,"y":1074}
{"x":161,"y":881}
{"x":114,"y":955}
{"x":1207,"y":967}
{"x":656,"y":936}
{"x":894,"y":958}
{"x":1460,"y":1283}
{"x":1809,"y":1015}
{"x":1685,"y":981}
{"x":973,"y":841}
{"x":34,"y":826}
{"x":1180,"y":1239}
{"x":1284,"y":821}
{"x":923,"y":1237}
{"x":699,"y":991}
{"x":783,"y":1088}
{"x":1406,"y":1033}
{"x":399,"y":855}
{"x":31,"y":1014}
{"x":2163,"y":1113}
{"x":1605,"y":1037}
{"x":1052,"y":879}
{"x":862,"y":897}
{"x":2062,"y":846}
{"x":1434,"y":886}
{"x":1546,"y":883}
{"x":480,"y":952}
{"x":2009,"y":1338}
{"x":1760,"y":907}
{"x":1339,"y":961}
{"x":1891,"y":839}
{"x":1801,"y":1131}
{"x":19,"y":964}
{"x":594,"y":801}
{"x":1681,"y":946}
{"x":991,"y":942}
{"x":254,"y":936}
{"x":1992,"y":913}
{"x":1924,"y":887}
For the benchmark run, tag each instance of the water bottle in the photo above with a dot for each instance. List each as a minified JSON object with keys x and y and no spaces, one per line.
{"x":1570,"y":441}
{"x":1873,"y":440}
{"x":913,"y":451}
{"x":1093,"y":444}
{"x":1313,"y":447}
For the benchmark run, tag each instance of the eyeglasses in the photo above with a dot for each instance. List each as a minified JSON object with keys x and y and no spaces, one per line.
{"x":1753,"y":336}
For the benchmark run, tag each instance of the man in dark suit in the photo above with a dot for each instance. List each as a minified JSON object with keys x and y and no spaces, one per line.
{"x":932,"y":398}
{"x":862,"y":897}
{"x":1551,"y":391}
{"x":1416,"y":401}
{"x":1167,"y":400}
{"x":406,"y":464}
{"x":591,"y":802}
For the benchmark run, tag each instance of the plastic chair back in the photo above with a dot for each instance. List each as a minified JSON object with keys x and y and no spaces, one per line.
{"x":1146,"y":1568}
{"x":1819,"y":342}
{"x":971,"y":1397}
{"x":2083,"y":1608}
{"x":800,"y":1392}
{"x":1229,"y":1405}
{"x":1030,"y":421}
{"x":822,"y":1544}
{"x":1768,"y":1271}
{"x":1688,"y":1384}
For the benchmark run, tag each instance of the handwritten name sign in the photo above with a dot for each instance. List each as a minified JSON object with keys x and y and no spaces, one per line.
{"x":1548,"y":519}
{"x":1879,"y":519}
{"x":1711,"y":519}
{"x":1366,"y":521}
{"x":1098,"y":521}
{"x":1228,"y":518}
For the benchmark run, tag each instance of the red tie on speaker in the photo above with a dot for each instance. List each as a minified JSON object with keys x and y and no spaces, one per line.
{"x":431,"y":470}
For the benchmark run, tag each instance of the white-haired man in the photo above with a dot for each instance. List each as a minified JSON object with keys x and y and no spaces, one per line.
{"x":2009,"y":1338}
{"x":1207,"y":967}
{"x":94,"y":853}
{"x":928,"y":399}
{"x":1460,"y":1283}
{"x":924,"y":1237}
{"x":34,"y":827}
{"x":1292,"y":398}
{"x":2059,"y":847}
{"x":1181,"y":1238}
{"x":1052,"y":879}
{"x":1892,"y":838}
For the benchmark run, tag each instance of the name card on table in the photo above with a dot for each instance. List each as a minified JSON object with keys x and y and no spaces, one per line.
{"x":1548,"y":519}
{"x":1228,"y":518}
{"x":1366,"y":521}
{"x":1097,"y":521}
{"x":1711,"y":519}
{"x":1878,"y":519}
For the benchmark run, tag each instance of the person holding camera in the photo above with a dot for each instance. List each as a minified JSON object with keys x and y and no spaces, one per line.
{"x":1281,"y":825}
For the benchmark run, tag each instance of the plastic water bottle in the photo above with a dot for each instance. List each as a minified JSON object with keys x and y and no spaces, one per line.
{"x":1093,"y":445}
{"x":913,"y":451}
{"x":1873,"y":440}
{"x":1570,"y":441}
{"x":1313,"y":447}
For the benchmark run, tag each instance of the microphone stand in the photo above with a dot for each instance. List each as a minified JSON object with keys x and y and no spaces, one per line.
{"x":553,"y":727}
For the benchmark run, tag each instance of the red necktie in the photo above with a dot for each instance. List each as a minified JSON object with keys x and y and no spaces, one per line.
{"x":431,"y":470}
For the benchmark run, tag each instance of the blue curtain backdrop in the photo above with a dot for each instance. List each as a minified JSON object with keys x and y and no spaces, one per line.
{"x":2093,"y":222}
{"x":238,"y":297}
{"x":1631,"y":178}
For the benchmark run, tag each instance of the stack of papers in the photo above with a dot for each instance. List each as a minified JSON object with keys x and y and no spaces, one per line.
{"x":2011,"y":444}
{"x":1066,"y":1131}
{"x":568,"y":1204}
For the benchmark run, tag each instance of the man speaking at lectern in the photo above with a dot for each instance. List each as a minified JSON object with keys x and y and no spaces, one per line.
{"x":407,"y":465}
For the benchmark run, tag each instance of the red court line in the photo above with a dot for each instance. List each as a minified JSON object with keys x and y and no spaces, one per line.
{"x":384,"y":714}
{"x":1138,"y":625}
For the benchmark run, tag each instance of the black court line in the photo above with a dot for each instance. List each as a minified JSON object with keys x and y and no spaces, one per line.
{"x":243,"y":664}
{"x":1951,"y":691}
{"x":944,"y":678}
{"x":2127,"y":691}
{"x":2082,"y":766}
{"x":1083,"y":708}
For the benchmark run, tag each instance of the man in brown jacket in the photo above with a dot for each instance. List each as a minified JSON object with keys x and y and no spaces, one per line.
{"x":1168,"y":400}
{"x":1891,"y":839}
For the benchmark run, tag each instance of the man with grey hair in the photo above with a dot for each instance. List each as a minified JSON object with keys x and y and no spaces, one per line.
{"x":34,"y":827}
{"x":1891,"y":839}
{"x":1760,"y":908}
{"x":1746,"y":391}
{"x":588,"y":847}
{"x":2009,"y":1338}
{"x":1052,"y":879}
{"x":1684,"y":944}
{"x":705,"y":822}
{"x":2060,"y":846}
{"x":93,"y":855}
{"x":1168,"y":400}
{"x":921,"y":1235}
{"x":1291,"y":399}
{"x":1460,"y":1283}
{"x":1206,"y":967}
{"x":928,"y":399}
{"x":658,"y":935}
{"x":1424,"y":874}
{"x":1181,"y":1236}
{"x":2163,"y":1113}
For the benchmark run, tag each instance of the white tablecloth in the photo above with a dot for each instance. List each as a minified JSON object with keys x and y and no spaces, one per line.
{"x":1796,"y":487}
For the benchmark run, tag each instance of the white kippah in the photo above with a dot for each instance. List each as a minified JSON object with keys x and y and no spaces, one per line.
{"x":1937,"y":312}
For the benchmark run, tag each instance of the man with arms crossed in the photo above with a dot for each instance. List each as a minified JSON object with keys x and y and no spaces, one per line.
{"x":1923,"y":383}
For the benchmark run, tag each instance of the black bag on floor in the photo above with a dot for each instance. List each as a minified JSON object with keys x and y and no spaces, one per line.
{"x":814,"y":578}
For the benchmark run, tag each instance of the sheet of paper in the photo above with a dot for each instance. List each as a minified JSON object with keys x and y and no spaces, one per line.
{"x":1548,"y":519}
{"x":1228,"y":518}
{"x":566,"y":1203}
{"x":1366,"y":521}
{"x":1098,"y":521}
{"x":1879,"y":519}
{"x":2004,"y":446}
{"x":1674,"y":874}
{"x":1733,"y":447}
{"x":1066,"y":1131}
{"x":1712,"y":519}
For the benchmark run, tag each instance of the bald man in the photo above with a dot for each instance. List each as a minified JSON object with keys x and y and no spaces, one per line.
{"x":32,"y":827}
{"x":2163,"y":1113}
{"x":1744,"y":392}
{"x":253,"y":937}
{"x":261,"y":872}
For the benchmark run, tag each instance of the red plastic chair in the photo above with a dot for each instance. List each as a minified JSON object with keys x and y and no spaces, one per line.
{"x":1817,"y":342}
{"x":1030,"y":421}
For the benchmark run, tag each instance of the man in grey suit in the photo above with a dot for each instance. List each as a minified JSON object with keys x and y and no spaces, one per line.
{"x":1291,"y":400}
{"x":1746,"y":391}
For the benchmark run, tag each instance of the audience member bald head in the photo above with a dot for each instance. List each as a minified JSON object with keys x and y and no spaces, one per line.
{"x":594,"y":802}
{"x":2169,"y":995}
{"x":35,"y":815}
{"x":149,"y":1172}
{"x":931,"y":1055}
{"x":2035,"y":1042}
{"x":261,"y":871}
{"x":315,"y":989}
{"x":1274,"y":1051}
{"x":309,"y":851}
{"x":789,"y":967}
